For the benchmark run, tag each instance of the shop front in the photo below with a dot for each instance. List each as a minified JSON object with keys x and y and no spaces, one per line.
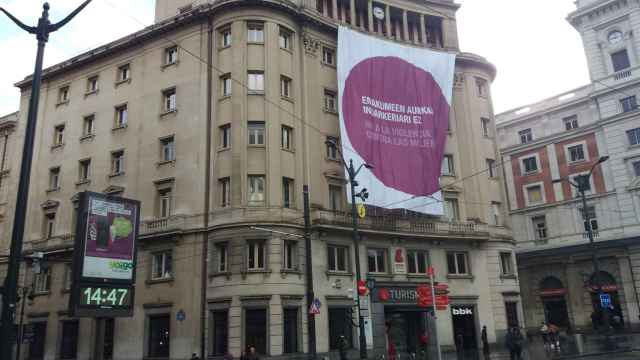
{"x":401,"y":327}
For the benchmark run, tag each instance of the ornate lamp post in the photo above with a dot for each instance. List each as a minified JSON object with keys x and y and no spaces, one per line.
{"x":10,"y":289}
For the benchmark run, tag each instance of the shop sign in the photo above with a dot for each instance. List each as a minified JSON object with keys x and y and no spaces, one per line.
{"x":553,"y":292}
{"x":399,"y":265}
{"x":605,"y":288}
{"x":409,"y":295}
{"x":461,"y":311}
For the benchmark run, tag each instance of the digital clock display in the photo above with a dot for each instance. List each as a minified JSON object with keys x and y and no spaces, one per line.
{"x":105,"y":297}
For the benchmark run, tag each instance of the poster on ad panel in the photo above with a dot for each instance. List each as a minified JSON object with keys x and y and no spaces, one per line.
{"x":110,"y":238}
{"x":394,"y":103}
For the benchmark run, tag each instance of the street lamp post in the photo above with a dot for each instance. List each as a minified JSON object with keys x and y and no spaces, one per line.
{"x":9,"y":296}
{"x":363,"y":194}
{"x":582,"y":185}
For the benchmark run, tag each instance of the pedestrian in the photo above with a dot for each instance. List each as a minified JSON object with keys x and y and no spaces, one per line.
{"x":514,"y":344}
{"x":424,"y":342}
{"x":342,"y":347}
{"x":544,"y":332}
{"x":194,"y":356}
{"x":460,"y":346}
{"x":253,"y":354}
{"x":554,"y":336}
{"x":227,"y":356}
{"x":485,"y":343}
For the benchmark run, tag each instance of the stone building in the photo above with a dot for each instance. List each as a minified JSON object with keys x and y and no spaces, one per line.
{"x":234,"y":100}
{"x":562,"y":137}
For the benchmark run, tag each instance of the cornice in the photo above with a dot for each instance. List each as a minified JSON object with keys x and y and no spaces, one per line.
{"x":551,"y":139}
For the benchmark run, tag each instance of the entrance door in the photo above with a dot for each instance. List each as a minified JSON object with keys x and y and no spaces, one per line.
{"x":464,"y":328}
{"x":404,"y":329}
{"x":555,"y":310}
{"x":36,"y":346}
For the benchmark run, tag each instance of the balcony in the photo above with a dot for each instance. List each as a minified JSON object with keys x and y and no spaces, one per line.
{"x":401,"y":224}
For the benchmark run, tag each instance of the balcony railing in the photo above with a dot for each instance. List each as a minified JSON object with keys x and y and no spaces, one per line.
{"x":622,"y":74}
{"x":398,"y":223}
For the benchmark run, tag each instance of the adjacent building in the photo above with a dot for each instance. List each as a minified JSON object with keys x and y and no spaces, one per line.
{"x":548,"y":142}
{"x":214,"y":118}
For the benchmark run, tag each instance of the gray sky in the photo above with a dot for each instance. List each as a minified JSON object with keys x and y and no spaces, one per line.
{"x":537,"y":53}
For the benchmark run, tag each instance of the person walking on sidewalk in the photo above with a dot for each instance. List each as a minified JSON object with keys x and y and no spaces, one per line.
{"x":544,"y":332}
{"x":514,"y":343}
{"x":485,"y":343}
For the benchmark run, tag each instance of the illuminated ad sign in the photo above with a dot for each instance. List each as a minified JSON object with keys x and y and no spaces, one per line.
{"x":104,"y":261}
{"x":394,"y":104}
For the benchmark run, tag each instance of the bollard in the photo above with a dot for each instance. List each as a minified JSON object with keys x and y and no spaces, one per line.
{"x":579,"y":341}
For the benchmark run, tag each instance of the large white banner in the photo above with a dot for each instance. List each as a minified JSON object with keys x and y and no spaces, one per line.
{"x":394,"y":103}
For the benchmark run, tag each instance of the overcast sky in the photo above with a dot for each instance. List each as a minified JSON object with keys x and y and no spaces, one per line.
{"x":537,"y":53}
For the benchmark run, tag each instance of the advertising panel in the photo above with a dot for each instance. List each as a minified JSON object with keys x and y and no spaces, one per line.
{"x":394,"y":103}
{"x":104,"y":260}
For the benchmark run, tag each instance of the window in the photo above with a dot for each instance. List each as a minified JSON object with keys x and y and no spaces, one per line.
{"x":49,"y":225}
{"x":117,"y":162}
{"x":159,"y":336}
{"x":68,"y":276}
{"x":457,"y":263}
{"x":511,"y":309}
{"x":225,"y":37}
{"x":328,"y":56}
{"x":337,"y":258}
{"x":620,"y":60}
{"x":506,"y":263}
{"x":69,"y":339}
{"x":42,"y":281}
{"x":491,"y":168}
{"x":539,"y":227}
{"x":121,"y":117}
{"x":171,"y":55}
{"x":165,"y":196}
{"x":256,"y":255}
{"x":495,"y":211}
{"x":58,"y":135}
{"x":377,"y":260}
{"x":256,"y":329}
{"x":332,"y":149}
{"x":340,"y":324}
{"x":225,"y":136}
{"x":290,"y":256}
{"x":285,"y":39}
{"x":124,"y":73}
{"x":256,"y":132}
{"x":37,"y":345}
{"x":256,"y":189}
{"x":287,"y":137}
{"x":481,"y":85}
{"x":220,"y":344}
{"x":335,"y":197}
{"x":451,"y":209}
{"x":162,"y":265}
{"x":634,"y":136}
{"x":169,"y":97}
{"x":525,"y":136}
{"x":84,"y":167}
{"x":576,"y":153}
{"x":534,"y":194}
{"x":54,"y":178}
{"x":636,"y":168}
{"x":285,"y":86}
{"x":92,"y":84}
{"x":225,"y":80}
{"x":417,"y":261}
{"x":571,"y":122}
{"x":330,"y":101}
{"x":290,"y":338}
{"x":485,"y":126}
{"x":593,"y":218}
{"x":530,"y":165}
{"x":63,"y":94}
{"x":447,"y":165}
{"x":222,"y":250}
{"x":225,"y":191}
{"x":255,"y":34}
{"x":255,"y":81}
{"x":167,"y":146}
{"x":287,"y":192}
{"x":628,"y":103}
{"x":87,"y":125}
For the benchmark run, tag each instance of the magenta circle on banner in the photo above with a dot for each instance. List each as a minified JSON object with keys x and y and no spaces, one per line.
{"x":396,"y":118}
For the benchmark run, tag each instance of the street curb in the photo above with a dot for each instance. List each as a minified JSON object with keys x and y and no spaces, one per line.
{"x":578,"y":356}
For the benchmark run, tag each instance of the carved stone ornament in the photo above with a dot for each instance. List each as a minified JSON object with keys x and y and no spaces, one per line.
{"x":311,"y":45}
{"x":50,"y":204}
{"x":458,"y":80}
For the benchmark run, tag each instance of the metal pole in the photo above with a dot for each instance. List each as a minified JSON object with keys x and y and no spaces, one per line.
{"x":15,"y":256}
{"x":435,"y":318}
{"x":356,"y":242}
{"x":20,"y":327}
{"x":311,"y":318}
